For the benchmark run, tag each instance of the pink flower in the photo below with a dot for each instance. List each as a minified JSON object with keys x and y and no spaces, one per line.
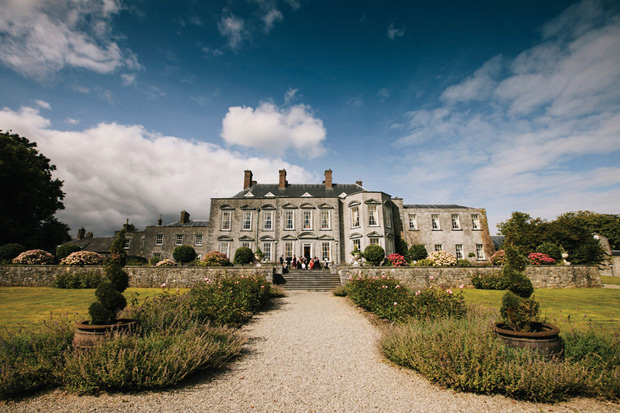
{"x":177,"y":290}
{"x":418,"y":292}
{"x":163,"y":285}
{"x":431,"y":278}
{"x":395,"y":303}
{"x":462,"y":286}
{"x":449,"y":291}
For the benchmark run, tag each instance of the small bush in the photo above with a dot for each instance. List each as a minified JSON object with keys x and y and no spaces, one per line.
{"x":165,"y":263}
{"x":433,"y":303}
{"x":133,"y":260}
{"x":494,"y":281}
{"x":64,"y":250}
{"x":340,"y":291}
{"x":537,"y":258}
{"x":78,"y":280}
{"x":397,"y":260}
{"x":10,"y":251}
{"x":442,"y":259}
{"x":34,"y":257}
{"x":463,"y":263}
{"x":184,"y":254}
{"x":499,"y":258}
{"x":215,"y":259}
{"x":154,"y":260}
{"x":426,"y":262}
{"x":244,"y":256}
{"x":416,"y":252}
{"x":552,"y":250}
{"x":82,"y":258}
{"x":374,"y":254}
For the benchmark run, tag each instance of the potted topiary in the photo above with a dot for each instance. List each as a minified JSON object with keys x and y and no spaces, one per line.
{"x":521,"y":326}
{"x":109,"y":302}
{"x":243,"y":256}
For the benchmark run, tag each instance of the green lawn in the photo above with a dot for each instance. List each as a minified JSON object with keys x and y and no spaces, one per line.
{"x":27,"y":306}
{"x":566,"y":308}
{"x":610,"y":280}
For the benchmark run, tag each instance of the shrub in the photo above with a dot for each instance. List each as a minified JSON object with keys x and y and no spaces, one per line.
{"x":165,"y":263}
{"x":82,"y":258}
{"x":397,"y":260}
{"x":499,"y":258}
{"x":383,"y":296}
{"x":494,"y":281}
{"x":259,"y":254}
{"x":10,"y":251}
{"x":34,"y":257}
{"x":78,"y":280}
{"x":519,"y":312}
{"x":442,"y":259}
{"x":215,"y":259}
{"x":243,"y":256}
{"x":374,"y":254}
{"x":154,"y":260}
{"x":425,"y":262}
{"x":463,"y":263}
{"x":64,"y":250}
{"x":340,"y":291}
{"x":552,"y":250}
{"x":537,"y":258}
{"x":33,"y":359}
{"x":416,"y":252}
{"x":431,"y":303}
{"x":184,"y":254}
{"x":136,"y":261}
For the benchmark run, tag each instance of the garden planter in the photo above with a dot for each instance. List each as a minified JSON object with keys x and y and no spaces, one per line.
{"x":546,"y":340}
{"x":87,"y":335}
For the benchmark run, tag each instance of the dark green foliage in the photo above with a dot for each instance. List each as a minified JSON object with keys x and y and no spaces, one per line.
{"x":494,"y":281}
{"x":416,"y":252}
{"x":65,"y":249}
{"x":110,"y":298}
{"x":607,"y":225}
{"x":184,"y":254}
{"x":465,"y":355}
{"x":518,"y":283}
{"x":10,"y":251}
{"x":551,"y":249}
{"x":244,"y":256}
{"x":514,"y":259}
{"x":30,"y":196}
{"x":136,"y":261}
{"x":154,"y":260}
{"x":523,"y":231}
{"x":116,"y":276}
{"x":518,"y":313}
{"x":78,"y":280}
{"x":117,"y":249}
{"x":401,"y":246}
{"x":374,"y":254}
{"x":463,"y":263}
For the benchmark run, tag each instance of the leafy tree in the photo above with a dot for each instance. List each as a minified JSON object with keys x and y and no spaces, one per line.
{"x":416,"y":252}
{"x":184,"y":254}
{"x":65,"y":249}
{"x":573,"y":234}
{"x":522,"y":231}
{"x":551,"y":249}
{"x":374,"y":254}
{"x":10,"y":251}
{"x":30,"y":196}
{"x":243,"y":256}
{"x":607,"y":225}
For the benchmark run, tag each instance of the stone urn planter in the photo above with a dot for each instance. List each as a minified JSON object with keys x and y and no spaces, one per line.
{"x":545,"y":338}
{"x":87,"y":335}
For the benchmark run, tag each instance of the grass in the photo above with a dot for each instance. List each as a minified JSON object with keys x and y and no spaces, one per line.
{"x":568,"y":308}
{"x":610,"y":280}
{"x":28,"y":306}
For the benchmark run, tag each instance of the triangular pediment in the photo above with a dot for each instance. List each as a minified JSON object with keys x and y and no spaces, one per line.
{"x":246,"y":238}
{"x":269,"y":195}
{"x":306,"y":206}
{"x":325,"y":206}
{"x":326,"y":238}
{"x":249,"y":195}
{"x":372,"y":202}
{"x":289,"y":206}
{"x":343,"y":195}
{"x":306,"y":195}
{"x":289,"y":238}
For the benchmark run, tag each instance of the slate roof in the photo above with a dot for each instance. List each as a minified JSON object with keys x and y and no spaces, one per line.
{"x":190,"y":223}
{"x":297,"y":190}
{"x":435,"y":206}
{"x":97,"y":244}
{"x":498,"y":240}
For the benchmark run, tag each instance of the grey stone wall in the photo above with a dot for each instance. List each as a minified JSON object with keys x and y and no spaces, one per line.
{"x":453,"y":277}
{"x":144,"y":277}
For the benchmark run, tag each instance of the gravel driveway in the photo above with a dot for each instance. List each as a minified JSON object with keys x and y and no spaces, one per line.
{"x":315,"y":352}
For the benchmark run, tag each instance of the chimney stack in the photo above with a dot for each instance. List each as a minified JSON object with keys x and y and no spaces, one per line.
{"x":359,"y":182}
{"x":247,"y":179}
{"x":328,"y":179}
{"x":159,"y":221}
{"x":81,"y":233}
{"x":184,"y":217}
{"x":283,"y":182}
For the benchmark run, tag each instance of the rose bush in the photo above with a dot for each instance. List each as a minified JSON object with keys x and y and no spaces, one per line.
{"x":499,"y":258}
{"x":34,"y":257}
{"x":82,"y":258}
{"x":537,"y":258}
{"x":397,"y":260}
{"x":165,"y":263}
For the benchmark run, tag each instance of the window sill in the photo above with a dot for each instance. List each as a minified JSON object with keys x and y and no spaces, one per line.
{"x":437,"y":229}
{"x":457,"y":229}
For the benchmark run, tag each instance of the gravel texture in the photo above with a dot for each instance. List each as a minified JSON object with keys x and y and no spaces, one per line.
{"x":314,"y":352}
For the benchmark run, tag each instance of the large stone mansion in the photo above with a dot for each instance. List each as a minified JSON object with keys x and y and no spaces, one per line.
{"x":325,"y":220}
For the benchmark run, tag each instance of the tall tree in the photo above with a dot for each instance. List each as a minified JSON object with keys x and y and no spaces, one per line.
{"x":522,"y":231}
{"x":607,"y":225}
{"x":30,"y":196}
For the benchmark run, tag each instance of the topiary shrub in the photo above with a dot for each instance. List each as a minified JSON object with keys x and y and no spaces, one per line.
{"x":10,"y":251}
{"x":215,"y":259}
{"x":34,"y":257}
{"x":520,"y":313}
{"x":374,"y":254}
{"x":416,"y":252}
{"x":82,"y":258}
{"x":184,"y":254}
{"x":244,"y":256}
{"x":110,"y":292}
{"x":552,"y":250}
{"x":64,"y":250}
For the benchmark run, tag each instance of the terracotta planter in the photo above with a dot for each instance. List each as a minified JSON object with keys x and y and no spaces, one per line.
{"x":546,"y":341}
{"x":87,"y":335}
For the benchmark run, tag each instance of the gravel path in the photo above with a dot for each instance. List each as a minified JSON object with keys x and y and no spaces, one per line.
{"x":316,"y":352}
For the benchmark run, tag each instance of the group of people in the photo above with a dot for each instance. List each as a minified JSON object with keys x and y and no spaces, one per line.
{"x":302,"y":263}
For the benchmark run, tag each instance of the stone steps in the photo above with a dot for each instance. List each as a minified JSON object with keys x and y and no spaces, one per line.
{"x":310,"y":280}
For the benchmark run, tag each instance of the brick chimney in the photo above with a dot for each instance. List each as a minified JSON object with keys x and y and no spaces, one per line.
{"x":184,"y":217}
{"x":328,"y":179}
{"x":247,"y":179}
{"x":359,"y":182}
{"x":81,"y":233}
{"x":283,"y":183}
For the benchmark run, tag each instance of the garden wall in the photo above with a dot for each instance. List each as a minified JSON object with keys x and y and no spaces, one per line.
{"x":182,"y":277}
{"x":452,"y":277}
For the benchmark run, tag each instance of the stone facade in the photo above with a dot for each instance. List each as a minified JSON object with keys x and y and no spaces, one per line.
{"x":326,"y":220}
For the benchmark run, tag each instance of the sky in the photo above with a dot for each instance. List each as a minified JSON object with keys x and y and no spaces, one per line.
{"x":149,"y":107}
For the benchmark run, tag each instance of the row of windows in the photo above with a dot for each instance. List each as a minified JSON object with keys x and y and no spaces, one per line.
{"x":373,"y":218}
{"x":178,"y":239}
{"x":325,"y":253}
{"x":436,"y":225}
{"x":460,"y":254}
{"x":289,"y":220}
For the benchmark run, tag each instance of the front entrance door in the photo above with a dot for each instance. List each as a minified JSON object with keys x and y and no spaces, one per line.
{"x":308,"y":251}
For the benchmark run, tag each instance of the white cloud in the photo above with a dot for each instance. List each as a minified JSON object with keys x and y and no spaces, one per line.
{"x":383,"y":94}
{"x":275,"y":130}
{"x":393,"y":32}
{"x":479,"y":86}
{"x":43,"y":104}
{"x":40,"y":38}
{"x":72,"y":121}
{"x":128,"y":79}
{"x":232,"y":28}
{"x":271,"y":17}
{"x":291,"y":95}
{"x":355,"y":101}
{"x":112,"y":172}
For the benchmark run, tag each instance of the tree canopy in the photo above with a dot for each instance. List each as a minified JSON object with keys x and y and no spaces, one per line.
{"x":30,"y":196}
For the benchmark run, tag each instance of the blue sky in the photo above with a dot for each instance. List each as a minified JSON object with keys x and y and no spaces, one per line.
{"x":148,"y":108}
